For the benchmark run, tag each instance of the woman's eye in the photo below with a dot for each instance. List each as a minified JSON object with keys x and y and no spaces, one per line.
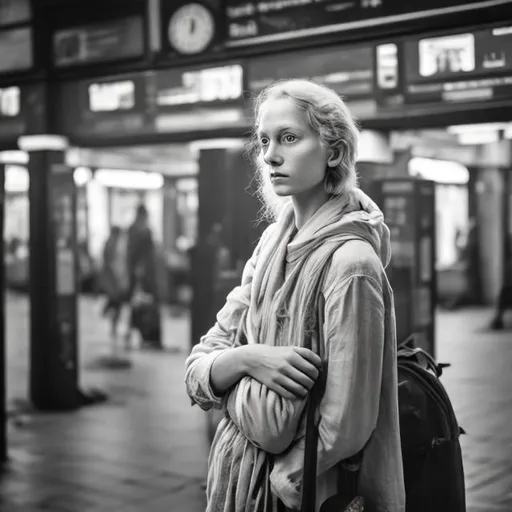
{"x":289,"y":138}
{"x":264,"y":141}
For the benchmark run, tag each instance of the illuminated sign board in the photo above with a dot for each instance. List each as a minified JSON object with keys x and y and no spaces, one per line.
{"x":387,"y":66}
{"x":14,"y":11}
{"x":207,"y":85}
{"x":19,"y":56}
{"x":347,"y":70}
{"x":441,"y":69}
{"x":459,"y":67}
{"x":10,"y":101}
{"x":104,"y":42}
{"x":276,"y":20}
{"x":112,"y":96}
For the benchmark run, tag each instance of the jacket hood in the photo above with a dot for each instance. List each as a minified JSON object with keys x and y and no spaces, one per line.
{"x":342,"y":218}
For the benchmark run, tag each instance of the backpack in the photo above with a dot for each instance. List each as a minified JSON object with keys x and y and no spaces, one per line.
{"x":429,"y":432}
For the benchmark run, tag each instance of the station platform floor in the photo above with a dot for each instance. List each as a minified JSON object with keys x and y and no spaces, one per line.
{"x":145,"y":448}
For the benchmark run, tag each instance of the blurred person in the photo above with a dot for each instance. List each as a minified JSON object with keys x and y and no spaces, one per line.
{"x":140,"y":251}
{"x":253,"y":364}
{"x":114,"y":277}
{"x":143,"y":293}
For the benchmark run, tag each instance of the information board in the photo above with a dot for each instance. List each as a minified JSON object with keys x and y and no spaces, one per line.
{"x":347,"y":70}
{"x":14,"y":11}
{"x":108,"y":41}
{"x":104,"y":107}
{"x":181,"y":88}
{"x":19,"y":55}
{"x":145,"y":103}
{"x":468,"y":66}
{"x":444,"y":68}
{"x":274,"y":20}
{"x":13,"y":122}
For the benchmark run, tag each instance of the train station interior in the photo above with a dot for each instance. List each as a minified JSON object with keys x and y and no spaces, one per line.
{"x":111,"y":108}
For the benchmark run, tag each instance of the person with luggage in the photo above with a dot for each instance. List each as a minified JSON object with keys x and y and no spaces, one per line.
{"x":272,"y":346}
{"x":143,"y":289}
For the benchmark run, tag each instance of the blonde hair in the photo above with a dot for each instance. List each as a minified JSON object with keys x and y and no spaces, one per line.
{"x":330,"y":118}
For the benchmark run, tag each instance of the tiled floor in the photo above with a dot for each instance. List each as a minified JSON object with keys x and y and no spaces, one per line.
{"x":480,"y":386}
{"x":145,"y":449}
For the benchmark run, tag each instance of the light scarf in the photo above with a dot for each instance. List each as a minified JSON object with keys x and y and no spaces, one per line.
{"x":278,"y":309}
{"x":282,"y":292}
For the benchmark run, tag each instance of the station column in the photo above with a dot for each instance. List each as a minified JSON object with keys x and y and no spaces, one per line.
{"x":53,"y":380}
{"x":3,"y":414}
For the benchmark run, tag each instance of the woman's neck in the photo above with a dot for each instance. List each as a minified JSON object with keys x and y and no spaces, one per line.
{"x":306,"y":204}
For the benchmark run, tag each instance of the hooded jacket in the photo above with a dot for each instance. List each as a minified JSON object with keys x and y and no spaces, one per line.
{"x":359,"y":408}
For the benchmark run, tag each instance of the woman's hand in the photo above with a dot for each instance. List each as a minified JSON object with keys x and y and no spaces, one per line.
{"x":289,"y":371}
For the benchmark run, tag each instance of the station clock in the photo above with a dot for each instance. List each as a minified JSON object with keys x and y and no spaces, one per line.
{"x":191,"y":28}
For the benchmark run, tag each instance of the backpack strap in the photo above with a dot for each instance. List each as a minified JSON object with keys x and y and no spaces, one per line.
{"x":348,"y":469}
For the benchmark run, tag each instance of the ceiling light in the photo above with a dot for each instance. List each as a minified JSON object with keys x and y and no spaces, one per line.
{"x":141,"y":180}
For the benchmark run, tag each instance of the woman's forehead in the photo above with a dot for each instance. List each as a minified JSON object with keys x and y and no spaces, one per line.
{"x":277,"y":114}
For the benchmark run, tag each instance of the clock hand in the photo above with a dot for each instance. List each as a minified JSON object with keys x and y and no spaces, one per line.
{"x":192,"y":25}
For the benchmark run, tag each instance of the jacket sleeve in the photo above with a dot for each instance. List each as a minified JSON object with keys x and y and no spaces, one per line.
{"x":219,"y":338}
{"x":354,"y":341}
{"x":268,"y":420}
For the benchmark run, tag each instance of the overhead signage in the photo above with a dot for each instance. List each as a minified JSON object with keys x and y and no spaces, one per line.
{"x":463,"y":67}
{"x":103,"y":42}
{"x":199,"y":86}
{"x":110,"y":107}
{"x":10,"y":101}
{"x":12,"y":123}
{"x":347,"y":70}
{"x":18,"y":112}
{"x":14,"y":11}
{"x":112,"y":96}
{"x":471,"y":66}
{"x":276,"y":20}
{"x":19,"y":56}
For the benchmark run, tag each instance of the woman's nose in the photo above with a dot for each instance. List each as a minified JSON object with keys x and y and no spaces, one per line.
{"x":271,"y":156}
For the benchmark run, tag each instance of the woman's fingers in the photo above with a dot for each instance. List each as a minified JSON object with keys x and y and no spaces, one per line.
{"x":306,"y":367}
{"x":309,"y":356}
{"x":301,"y":377}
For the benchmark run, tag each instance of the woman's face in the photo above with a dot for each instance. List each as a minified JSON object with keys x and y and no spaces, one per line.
{"x":295,"y":157}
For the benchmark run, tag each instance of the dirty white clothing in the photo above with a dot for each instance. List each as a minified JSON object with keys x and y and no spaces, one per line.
{"x":258,"y":451}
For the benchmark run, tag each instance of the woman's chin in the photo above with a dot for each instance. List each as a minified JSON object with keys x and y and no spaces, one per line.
{"x":282,"y":191}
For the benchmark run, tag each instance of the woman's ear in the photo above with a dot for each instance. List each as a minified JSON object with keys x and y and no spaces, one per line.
{"x":335,"y":156}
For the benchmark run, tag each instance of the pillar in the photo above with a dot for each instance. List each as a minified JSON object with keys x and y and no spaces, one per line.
{"x":3,"y":414}
{"x":53,"y":375}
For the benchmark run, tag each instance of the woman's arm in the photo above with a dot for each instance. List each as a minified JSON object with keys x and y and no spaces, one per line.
{"x":218,"y":340}
{"x":354,"y":334}
{"x":267,"y":404}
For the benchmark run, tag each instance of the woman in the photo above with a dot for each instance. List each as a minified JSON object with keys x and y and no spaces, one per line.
{"x":252,"y":363}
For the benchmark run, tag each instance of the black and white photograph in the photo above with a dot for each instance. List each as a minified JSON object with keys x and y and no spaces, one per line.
{"x":257,"y":256}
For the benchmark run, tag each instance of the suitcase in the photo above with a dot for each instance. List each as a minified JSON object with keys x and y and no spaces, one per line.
{"x":145,"y":317}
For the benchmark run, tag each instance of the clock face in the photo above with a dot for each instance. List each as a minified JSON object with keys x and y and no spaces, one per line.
{"x":191,"y":28}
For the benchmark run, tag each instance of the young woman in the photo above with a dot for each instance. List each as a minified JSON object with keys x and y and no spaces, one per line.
{"x":253,"y":363}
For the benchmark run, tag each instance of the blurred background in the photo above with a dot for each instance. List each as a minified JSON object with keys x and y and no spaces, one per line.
{"x":128,"y":212}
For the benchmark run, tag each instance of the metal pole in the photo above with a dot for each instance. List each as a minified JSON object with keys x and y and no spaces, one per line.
{"x":3,"y":414}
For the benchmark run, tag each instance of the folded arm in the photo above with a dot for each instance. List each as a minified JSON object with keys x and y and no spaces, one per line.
{"x":267,"y":419}
{"x":219,"y":339}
